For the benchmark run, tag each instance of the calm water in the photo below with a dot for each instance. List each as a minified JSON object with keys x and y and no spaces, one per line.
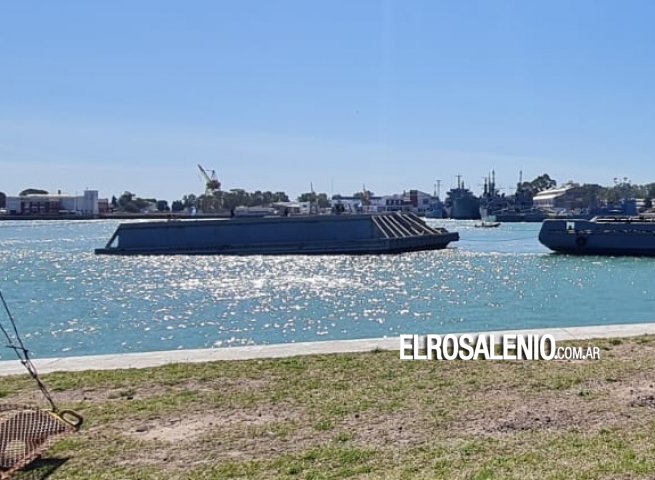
{"x":68,"y":301}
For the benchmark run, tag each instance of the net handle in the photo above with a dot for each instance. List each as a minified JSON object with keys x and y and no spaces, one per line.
{"x":70,"y":417}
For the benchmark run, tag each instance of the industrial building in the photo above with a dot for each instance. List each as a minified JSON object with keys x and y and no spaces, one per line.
{"x":568,"y":197}
{"x":54,"y":204}
{"x":413,"y":201}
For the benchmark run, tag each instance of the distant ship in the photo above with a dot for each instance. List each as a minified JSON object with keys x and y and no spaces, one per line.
{"x":437,"y":208}
{"x":524,"y":215}
{"x":515,"y":208}
{"x":461,"y":203}
{"x":492,"y":201}
{"x":390,"y":232}
{"x":600,"y":236}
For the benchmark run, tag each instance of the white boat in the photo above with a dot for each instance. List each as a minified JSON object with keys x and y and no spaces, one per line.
{"x":487,"y":225}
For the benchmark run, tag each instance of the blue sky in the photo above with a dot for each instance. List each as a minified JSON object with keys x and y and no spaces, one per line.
{"x":131,"y":95}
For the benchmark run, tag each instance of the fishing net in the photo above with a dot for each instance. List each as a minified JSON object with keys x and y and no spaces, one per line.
{"x":26,"y":432}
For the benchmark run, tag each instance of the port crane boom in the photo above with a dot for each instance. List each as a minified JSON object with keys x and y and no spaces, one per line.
{"x":212,"y":187}
{"x":212,"y":180}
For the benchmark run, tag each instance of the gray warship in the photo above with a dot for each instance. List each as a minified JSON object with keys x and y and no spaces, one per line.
{"x":390,"y":232}
{"x":519,"y":207}
{"x":600,"y":236}
{"x":461,"y":203}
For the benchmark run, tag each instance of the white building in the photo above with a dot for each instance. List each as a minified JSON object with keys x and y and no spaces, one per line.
{"x":292,"y":207}
{"x":394,"y":203}
{"x":356,"y":204}
{"x":413,"y":201}
{"x":408,"y":201}
{"x":53,"y":204}
{"x":567,"y":197}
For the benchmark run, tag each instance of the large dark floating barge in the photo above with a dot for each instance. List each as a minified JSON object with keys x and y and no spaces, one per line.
{"x":600,"y":236}
{"x":292,"y":235}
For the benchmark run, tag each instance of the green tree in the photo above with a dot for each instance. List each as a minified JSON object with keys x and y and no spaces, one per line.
{"x":622,"y":189}
{"x":307,"y":197}
{"x":539,"y":184}
{"x":124,"y":199}
{"x":233,"y":198}
{"x":208,"y":203}
{"x":131,"y":208}
{"x":613,"y":195}
{"x":280,"y":197}
{"x":189,"y":200}
{"x":128,"y":202}
{"x":177,"y":206}
{"x":364,"y":196}
{"x":323,"y":200}
{"x":256,"y":198}
{"x":237,"y":197}
{"x":32,"y":191}
{"x":361,"y":194}
{"x":650,"y":190}
{"x":320,"y":199}
{"x":592,"y":194}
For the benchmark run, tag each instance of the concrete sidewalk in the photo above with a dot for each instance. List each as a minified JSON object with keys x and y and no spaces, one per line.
{"x":153,"y":359}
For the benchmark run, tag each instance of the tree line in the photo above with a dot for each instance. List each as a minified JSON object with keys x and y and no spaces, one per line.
{"x":130,"y":202}
{"x":592,"y":194}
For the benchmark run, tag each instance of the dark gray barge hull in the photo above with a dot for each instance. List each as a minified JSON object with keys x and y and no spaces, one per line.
{"x":301,"y":235}
{"x":609,"y":236}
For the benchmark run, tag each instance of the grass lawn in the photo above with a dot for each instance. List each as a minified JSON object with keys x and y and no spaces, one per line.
{"x":360,"y":416}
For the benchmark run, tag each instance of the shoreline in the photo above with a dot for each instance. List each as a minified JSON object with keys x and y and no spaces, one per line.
{"x":284,"y":350}
{"x":115,"y":216}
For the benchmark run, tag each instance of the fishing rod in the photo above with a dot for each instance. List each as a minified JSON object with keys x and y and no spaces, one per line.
{"x":16,"y":344}
{"x":26,"y":432}
{"x":23,"y":353}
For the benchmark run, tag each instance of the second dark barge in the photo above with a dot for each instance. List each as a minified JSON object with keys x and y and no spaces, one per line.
{"x":600,"y":236}
{"x":303,"y":234}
